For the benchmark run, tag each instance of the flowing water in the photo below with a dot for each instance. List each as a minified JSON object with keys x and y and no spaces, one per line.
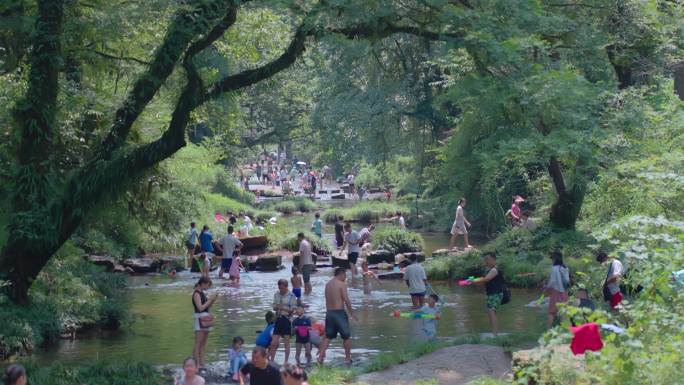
{"x":162,"y":328}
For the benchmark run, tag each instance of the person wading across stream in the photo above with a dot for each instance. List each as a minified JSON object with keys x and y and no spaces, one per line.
{"x":284,"y":304}
{"x":203,"y":320}
{"x":495,"y":288}
{"x":306,"y":263}
{"x":336,"y":319}
{"x":352,"y":242}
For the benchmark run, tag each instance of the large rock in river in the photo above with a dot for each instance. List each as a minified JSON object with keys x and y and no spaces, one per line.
{"x":142,"y":265}
{"x":295,"y":258}
{"x":110,"y":263}
{"x":379,"y":256}
{"x":264,"y":262}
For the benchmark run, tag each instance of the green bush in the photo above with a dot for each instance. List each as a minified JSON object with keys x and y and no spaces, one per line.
{"x":398,"y":241}
{"x":281,"y":236}
{"x":286,"y":207}
{"x":365,"y":212}
{"x":650,"y":350}
{"x":331,"y":215}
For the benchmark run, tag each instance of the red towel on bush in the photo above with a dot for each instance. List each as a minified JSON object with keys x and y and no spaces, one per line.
{"x":587,"y":337}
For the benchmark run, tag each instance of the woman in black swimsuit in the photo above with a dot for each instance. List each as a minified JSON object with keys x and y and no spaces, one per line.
{"x":201,"y":304}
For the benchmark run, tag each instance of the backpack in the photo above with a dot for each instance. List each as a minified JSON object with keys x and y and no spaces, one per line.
{"x":506,"y":291}
{"x":506,"y":295}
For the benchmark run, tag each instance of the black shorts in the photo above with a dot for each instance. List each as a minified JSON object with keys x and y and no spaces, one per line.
{"x":336,"y":321}
{"x":283,"y":327}
{"x":302,"y":340}
{"x":353,"y":257}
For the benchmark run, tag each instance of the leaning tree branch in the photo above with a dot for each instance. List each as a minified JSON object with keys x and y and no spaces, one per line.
{"x":124,"y":58}
{"x":252,"y":76}
{"x":183,"y":29}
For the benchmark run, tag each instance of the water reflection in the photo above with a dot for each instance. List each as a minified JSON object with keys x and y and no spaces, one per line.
{"x":162,"y":331}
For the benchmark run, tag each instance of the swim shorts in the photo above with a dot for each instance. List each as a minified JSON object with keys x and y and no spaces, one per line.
{"x":336,"y":321}
{"x":297,"y":291}
{"x":306,"y":272}
{"x":226,"y":262}
{"x":494,"y":300}
{"x":353,"y":257}
{"x":421,"y":294}
{"x":283,"y":327}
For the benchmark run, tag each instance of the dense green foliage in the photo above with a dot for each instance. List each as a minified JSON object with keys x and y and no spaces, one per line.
{"x":397,"y":240}
{"x":69,"y":294}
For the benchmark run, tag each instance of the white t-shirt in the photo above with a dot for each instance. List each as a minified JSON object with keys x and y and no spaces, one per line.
{"x":460,"y":218}
{"x":415,"y":275}
{"x":305,"y":253}
{"x":192,"y":235}
{"x":353,"y":236}
{"x":350,"y":178}
{"x":229,"y":242}
{"x":616,"y":269}
{"x":402,"y":222}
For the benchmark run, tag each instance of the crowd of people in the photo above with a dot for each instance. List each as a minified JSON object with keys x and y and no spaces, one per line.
{"x":288,"y":317}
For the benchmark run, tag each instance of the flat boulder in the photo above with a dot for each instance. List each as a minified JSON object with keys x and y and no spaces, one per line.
{"x":379,"y":256}
{"x":110,"y":263}
{"x":445,"y":253}
{"x":295,"y":258}
{"x":403,"y":259}
{"x":264,"y":262}
{"x":455,"y":365}
{"x":142,"y":265}
{"x":391,"y":275}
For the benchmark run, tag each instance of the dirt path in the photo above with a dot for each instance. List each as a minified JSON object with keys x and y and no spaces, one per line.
{"x":449,"y":366}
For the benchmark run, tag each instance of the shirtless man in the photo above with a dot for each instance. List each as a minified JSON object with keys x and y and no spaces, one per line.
{"x":336,"y":319}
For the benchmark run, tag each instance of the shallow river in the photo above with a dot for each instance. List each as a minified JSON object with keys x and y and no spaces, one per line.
{"x":162,"y":329}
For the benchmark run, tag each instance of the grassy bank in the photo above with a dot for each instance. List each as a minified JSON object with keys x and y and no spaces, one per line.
{"x":290,"y":205}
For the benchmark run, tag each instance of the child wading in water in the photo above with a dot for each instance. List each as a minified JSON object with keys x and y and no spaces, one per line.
{"x":266,"y":336}
{"x":297,"y":284}
{"x":367,"y":276}
{"x":302,"y":328}
{"x":237,"y":358}
{"x":430,"y":324}
{"x":234,"y":272}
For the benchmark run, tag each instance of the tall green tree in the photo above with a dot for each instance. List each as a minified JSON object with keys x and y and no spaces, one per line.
{"x":47,"y":204}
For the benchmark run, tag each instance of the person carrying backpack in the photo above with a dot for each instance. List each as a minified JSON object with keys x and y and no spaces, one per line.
{"x":495,"y":287}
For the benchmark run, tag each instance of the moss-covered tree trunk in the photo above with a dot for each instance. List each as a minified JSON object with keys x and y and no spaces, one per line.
{"x":566,"y":208}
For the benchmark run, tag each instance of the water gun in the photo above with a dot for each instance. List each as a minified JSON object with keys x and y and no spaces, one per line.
{"x":400,"y":314}
{"x":466,"y":282}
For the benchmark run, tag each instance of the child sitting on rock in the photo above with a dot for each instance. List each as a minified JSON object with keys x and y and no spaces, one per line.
{"x":237,"y":358}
